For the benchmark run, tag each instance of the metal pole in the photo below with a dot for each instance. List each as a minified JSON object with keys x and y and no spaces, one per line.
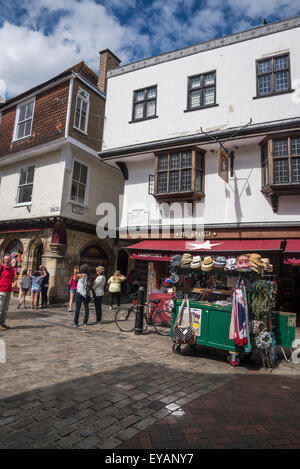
{"x":139,"y":319}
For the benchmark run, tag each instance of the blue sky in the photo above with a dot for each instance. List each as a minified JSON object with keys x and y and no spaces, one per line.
{"x":41,"y":38}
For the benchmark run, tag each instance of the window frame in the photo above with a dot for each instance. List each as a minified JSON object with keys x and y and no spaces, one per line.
{"x":87,"y":101}
{"x":25,"y":168}
{"x":198,"y":156}
{"x":87,"y":185}
{"x":201,"y":88}
{"x":24,"y":103}
{"x":144,"y":101}
{"x":273,"y":73}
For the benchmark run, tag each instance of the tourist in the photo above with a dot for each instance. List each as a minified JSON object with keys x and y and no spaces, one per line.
{"x":73,"y":288}
{"x":24,"y":286}
{"x":115,"y":287}
{"x":82,"y":294}
{"x":98,"y":288}
{"x":7,"y":274}
{"x":44,"y":286}
{"x":36,"y":287}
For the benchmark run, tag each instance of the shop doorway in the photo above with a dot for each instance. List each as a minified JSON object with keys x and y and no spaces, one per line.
{"x":122,"y":266}
{"x":93,"y":256}
{"x":16,"y":250}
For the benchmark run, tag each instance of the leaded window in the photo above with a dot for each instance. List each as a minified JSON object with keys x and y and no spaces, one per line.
{"x":202,"y":90}
{"x":273,"y":75}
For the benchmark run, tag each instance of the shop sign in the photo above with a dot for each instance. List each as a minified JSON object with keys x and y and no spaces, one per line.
{"x":195,"y":234}
{"x":223,"y":165}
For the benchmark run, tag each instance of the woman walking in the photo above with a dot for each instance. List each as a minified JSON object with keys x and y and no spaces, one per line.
{"x":44,"y":287}
{"x":98,"y":288}
{"x":24,"y":286}
{"x":82,"y":294}
{"x":73,"y":288}
{"x":115,"y":287}
{"x":36,"y":279}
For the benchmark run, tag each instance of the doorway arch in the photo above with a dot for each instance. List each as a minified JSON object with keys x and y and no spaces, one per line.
{"x":93,"y":256}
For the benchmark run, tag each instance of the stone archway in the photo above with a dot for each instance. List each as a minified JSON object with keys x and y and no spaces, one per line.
{"x":93,"y":256}
{"x":35,"y":252}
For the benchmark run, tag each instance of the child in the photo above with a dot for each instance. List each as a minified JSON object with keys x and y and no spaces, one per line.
{"x":36,"y":287}
{"x":24,"y":285}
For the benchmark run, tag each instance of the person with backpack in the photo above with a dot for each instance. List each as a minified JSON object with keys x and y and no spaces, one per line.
{"x":7,"y":274}
{"x":24,"y":286}
{"x":82,"y":294}
{"x":98,"y":290}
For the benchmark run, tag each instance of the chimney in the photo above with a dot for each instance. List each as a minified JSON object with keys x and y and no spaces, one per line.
{"x":108,"y":61}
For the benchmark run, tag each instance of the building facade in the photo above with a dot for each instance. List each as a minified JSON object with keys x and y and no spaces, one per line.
{"x":52,"y":179}
{"x":174,"y":112}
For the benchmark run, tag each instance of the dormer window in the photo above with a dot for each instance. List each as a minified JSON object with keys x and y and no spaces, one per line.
{"x":281,"y":167}
{"x":24,"y":119}
{"x":82,"y":111}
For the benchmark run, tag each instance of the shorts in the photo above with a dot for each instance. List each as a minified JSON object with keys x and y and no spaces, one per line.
{"x":24,"y":290}
{"x":73,"y":290}
{"x":34,"y":290}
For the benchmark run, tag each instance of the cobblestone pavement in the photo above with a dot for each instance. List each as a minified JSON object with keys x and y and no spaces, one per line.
{"x":95,"y":387}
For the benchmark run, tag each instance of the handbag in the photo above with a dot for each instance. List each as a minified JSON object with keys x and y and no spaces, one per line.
{"x":183,"y":334}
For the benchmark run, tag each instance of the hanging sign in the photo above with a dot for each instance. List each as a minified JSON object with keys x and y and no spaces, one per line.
{"x":223,"y":165}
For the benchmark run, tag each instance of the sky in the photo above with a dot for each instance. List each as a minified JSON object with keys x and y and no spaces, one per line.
{"x":41,"y":38}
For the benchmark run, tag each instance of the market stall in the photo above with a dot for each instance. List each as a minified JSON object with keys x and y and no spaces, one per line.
{"x":228,"y":303}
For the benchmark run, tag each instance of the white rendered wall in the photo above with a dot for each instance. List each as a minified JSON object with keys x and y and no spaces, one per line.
{"x":236,"y":86}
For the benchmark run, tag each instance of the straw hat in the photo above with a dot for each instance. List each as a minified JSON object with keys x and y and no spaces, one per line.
{"x":256,"y":260}
{"x":186,"y":259}
{"x":207,"y":264}
{"x":196,"y":262}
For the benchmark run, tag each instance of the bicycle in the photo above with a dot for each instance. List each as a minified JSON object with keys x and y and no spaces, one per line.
{"x":159,"y":319}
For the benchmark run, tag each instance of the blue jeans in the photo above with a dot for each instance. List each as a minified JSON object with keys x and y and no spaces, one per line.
{"x":79,"y":299}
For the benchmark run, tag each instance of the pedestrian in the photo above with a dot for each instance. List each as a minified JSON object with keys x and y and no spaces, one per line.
{"x":44,"y":287}
{"x":36,"y":287}
{"x":115,"y":287}
{"x":73,"y":288}
{"x":82,"y":294}
{"x":24,"y":286}
{"x":98,"y":289}
{"x":7,"y":274}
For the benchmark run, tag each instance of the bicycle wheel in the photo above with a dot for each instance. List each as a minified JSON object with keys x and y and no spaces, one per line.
{"x":162,"y":322}
{"x":125,"y":319}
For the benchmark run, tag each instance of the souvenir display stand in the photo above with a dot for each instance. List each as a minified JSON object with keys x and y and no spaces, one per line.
{"x":232,"y":305}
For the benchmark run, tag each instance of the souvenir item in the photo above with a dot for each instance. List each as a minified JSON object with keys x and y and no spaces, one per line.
{"x":207,"y":264}
{"x":183,"y":334}
{"x":186,"y":260}
{"x":243,"y":264}
{"x":196,"y":262}
{"x":176,"y":260}
{"x":220,"y":262}
{"x":230,"y":264}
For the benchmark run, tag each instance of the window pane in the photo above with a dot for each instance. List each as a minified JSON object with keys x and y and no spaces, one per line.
{"x":295,"y":146}
{"x":139,"y":111}
{"x":21,"y":130}
{"x":198,"y":186}
{"x":162,"y":182}
{"x":195,"y":82}
{"x":163,"y":162}
{"x":174,"y":181}
{"x":194,"y":99}
{"x":30,"y":174}
{"x":186,"y":159}
{"x":209,"y":79}
{"x":139,"y":95}
{"x":265,"y":153}
{"x":27,"y":127}
{"x":81,"y":191}
{"x":22,"y":113}
{"x":199,"y":161}
{"x":281,"y":81}
{"x":74,"y":190}
{"x":174,"y":160}
{"x":83,"y":174}
{"x":281,"y":63}
{"x":186,"y":180}
{"x":150,"y":108}
{"x":265,"y":66}
{"x":280,"y":147}
{"x":264,"y":84}
{"x":76,"y":171}
{"x":82,"y":123}
{"x":281,"y":171}
{"x":29,"y":109}
{"x":22,"y":177}
{"x":77,"y":118}
{"x":266,"y":174}
{"x":208,"y":96}
{"x":296,"y":170}
{"x":25,"y":193}
{"x":151,"y":93}
{"x":78,"y":104}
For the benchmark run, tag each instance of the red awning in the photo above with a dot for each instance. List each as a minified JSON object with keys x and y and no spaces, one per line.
{"x":292,"y":245}
{"x":162,"y":250}
{"x":292,"y":261}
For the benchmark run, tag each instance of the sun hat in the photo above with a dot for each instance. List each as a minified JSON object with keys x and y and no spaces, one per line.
{"x":176,"y":260}
{"x":186,"y":260}
{"x":207,"y":264}
{"x":220,"y":262}
{"x":256,"y":259}
{"x":242,"y":263}
{"x":230,"y":263}
{"x":196,"y":262}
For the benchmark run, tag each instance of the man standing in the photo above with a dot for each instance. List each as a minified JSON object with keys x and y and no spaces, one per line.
{"x":6,"y":281}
